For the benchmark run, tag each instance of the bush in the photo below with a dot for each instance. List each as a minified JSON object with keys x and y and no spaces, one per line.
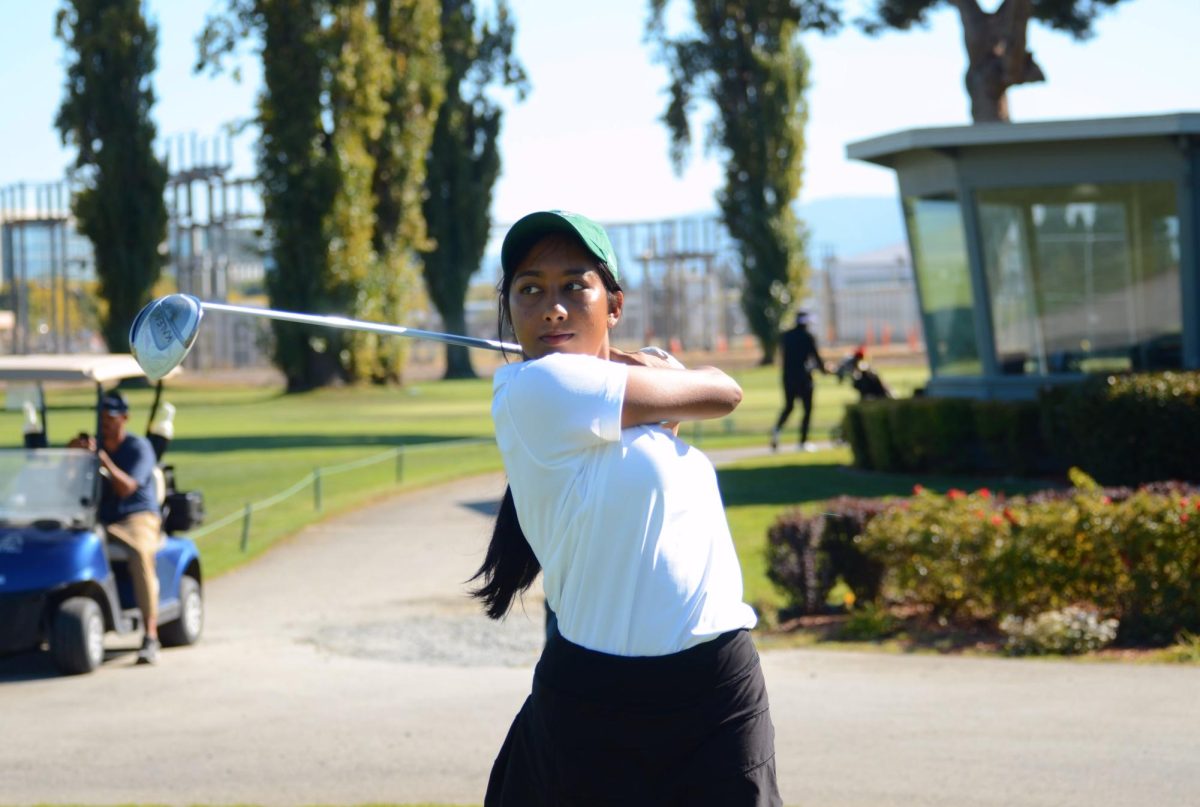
{"x":1122,"y":430}
{"x":880,"y":453}
{"x":1009,"y":435}
{"x":807,"y":554}
{"x":935,"y":550}
{"x":1130,"y":554}
{"x":868,"y":623}
{"x":934,"y":433}
{"x":1071,"y":631}
{"x":978,"y":557}
{"x":947,"y":434}
{"x":854,"y":433}
{"x":1128,"y":429}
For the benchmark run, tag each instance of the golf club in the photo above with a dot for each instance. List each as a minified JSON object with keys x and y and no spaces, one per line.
{"x":165,"y":330}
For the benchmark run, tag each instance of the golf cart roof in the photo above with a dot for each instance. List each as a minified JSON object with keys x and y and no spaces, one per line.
{"x":101,"y":368}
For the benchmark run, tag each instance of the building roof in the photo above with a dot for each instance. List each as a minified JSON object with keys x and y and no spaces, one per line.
{"x":97,"y":368}
{"x":892,"y":255}
{"x":880,"y":149}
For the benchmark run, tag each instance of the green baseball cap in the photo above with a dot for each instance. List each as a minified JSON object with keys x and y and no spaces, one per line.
{"x":530,"y":229}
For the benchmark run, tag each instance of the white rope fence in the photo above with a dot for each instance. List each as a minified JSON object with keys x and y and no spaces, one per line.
{"x":314,"y":478}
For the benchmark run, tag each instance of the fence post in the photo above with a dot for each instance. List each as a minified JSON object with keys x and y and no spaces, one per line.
{"x":246,"y":526}
{"x":399,"y":464}
{"x":317,"y":489}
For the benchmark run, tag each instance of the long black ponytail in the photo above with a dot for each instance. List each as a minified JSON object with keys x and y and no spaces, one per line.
{"x":510,"y":567}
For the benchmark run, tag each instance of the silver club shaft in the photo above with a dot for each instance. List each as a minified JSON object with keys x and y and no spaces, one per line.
{"x":165,"y":330}
{"x":345,"y":323}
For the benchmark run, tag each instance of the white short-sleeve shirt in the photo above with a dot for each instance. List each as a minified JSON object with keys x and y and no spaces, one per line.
{"x":627,"y":524}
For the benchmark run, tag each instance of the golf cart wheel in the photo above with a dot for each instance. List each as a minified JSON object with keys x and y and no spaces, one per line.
{"x":185,"y":630}
{"x":77,"y":638}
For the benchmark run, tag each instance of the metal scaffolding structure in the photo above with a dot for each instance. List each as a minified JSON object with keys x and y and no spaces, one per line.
{"x":214,"y":246}
{"x":48,"y":302}
{"x":682,"y":275}
{"x":687,"y":293}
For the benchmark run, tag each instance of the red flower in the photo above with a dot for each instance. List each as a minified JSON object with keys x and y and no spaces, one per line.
{"x":918,"y":489}
{"x":984,"y":493}
{"x":982,"y":515}
{"x":1183,"y":517}
{"x":1106,"y":500}
{"x":1183,"y":502}
{"x":997,"y":520}
{"x":954,"y":494}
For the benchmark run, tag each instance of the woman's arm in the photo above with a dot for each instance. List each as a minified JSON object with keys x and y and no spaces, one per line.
{"x":662,"y":394}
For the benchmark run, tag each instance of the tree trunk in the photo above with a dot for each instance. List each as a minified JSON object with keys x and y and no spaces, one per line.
{"x":996,"y":56}
{"x":458,"y":358}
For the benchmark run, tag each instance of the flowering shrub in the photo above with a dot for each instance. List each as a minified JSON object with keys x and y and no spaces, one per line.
{"x":975,"y":555}
{"x":1071,"y":630}
{"x":1130,"y":554}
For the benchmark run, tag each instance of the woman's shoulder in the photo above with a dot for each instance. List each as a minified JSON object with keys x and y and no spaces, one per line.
{"x":549,"y":367}
{"x":547,"y":381}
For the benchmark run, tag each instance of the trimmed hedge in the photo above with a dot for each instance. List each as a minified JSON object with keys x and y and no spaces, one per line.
{"x":1128,"y":429}
{"x":949,"y":435}
{"x":1120,"y":429}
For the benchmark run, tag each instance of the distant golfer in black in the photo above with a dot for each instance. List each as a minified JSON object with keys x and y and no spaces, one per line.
{"x":800,"y":357}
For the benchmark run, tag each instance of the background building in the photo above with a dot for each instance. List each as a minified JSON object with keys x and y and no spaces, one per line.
{"x":1047,"y":251}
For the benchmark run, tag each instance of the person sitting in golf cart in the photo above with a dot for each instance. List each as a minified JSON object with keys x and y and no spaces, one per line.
{"x":129,"y":507}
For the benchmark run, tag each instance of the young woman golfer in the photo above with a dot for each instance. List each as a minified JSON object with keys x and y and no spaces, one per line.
{"x":650,"y":692}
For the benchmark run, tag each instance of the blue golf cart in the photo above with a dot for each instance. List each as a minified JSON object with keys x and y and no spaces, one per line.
{"x":63,"y":585}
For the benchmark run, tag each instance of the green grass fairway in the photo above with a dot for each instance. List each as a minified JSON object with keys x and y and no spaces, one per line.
{"x":240,"y":445}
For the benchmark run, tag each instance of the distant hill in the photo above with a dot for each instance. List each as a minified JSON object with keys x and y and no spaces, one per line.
{"x":849,"y":225}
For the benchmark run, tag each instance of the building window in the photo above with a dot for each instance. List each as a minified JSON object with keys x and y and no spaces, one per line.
{"x":939,"y":252}
{"x":1083,"y":278}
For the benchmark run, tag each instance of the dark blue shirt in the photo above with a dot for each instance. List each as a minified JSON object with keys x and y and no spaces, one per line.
{"x":135,"y":457}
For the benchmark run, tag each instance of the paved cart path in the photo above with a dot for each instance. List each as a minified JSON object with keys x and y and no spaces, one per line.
{"x":345,"y":666}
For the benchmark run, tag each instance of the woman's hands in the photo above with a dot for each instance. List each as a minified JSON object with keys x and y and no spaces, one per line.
{"x":651,"y":357}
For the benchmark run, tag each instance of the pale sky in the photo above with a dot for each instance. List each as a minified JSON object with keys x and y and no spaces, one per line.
{"x":588,"y":136}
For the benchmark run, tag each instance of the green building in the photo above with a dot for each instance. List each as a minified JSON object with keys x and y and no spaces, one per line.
{"x":1047,"y":251}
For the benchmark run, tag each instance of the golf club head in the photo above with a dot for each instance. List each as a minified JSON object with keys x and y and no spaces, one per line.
{"x":163,"y":332}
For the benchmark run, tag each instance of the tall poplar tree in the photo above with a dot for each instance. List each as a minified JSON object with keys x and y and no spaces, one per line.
{"x":350,"y":94}
{"x":295,"y":170}
{"x":105,"y":114}
{"x":745,"y":57}
{"x":464,"y":159}
{"x":410,"y":33}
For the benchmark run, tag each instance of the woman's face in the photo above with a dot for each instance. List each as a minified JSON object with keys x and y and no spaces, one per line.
{"x":558,"y":302}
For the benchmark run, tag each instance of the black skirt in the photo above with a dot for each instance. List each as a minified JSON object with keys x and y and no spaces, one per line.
{"x":689,"y":729}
